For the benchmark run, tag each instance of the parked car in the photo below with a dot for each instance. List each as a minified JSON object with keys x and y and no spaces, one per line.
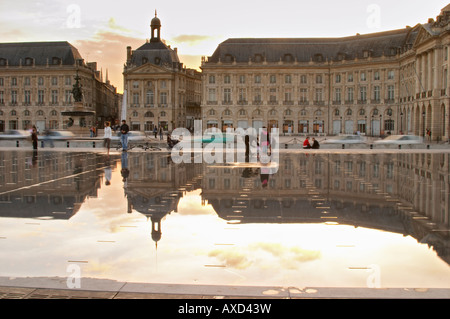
{"x":400,"y":140}
{"x":344,"y":139}
{"x":56,"y":135}
{"x":15,"y":134}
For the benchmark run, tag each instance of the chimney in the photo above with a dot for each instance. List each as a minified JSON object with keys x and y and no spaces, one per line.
{"x":128,"y":54}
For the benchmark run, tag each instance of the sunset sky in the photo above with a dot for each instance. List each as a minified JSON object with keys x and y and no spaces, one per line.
{"x":101,"y":30}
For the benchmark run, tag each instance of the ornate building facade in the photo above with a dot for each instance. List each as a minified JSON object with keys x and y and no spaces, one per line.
{"x":384,"y":83}
{"x":36,"y":82}
{"x":160,"y":90}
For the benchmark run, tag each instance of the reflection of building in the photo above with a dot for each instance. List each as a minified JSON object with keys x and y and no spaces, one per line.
{"x":36,"y":81}
{"x":155,"y":185}
{"x":53,"y":185}
{"x":402,"y":193}
{"x":161,"y":92}
{"x":377,"y":83}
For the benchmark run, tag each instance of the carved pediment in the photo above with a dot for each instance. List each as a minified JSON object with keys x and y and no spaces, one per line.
{"x":423,"y":36}
{"x":149,"y":69}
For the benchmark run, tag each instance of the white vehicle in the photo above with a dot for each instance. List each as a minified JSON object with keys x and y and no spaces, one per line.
{"x":15,"y":134}
{"x":133,"y":136}
{"x":57,"y":135}
{"x":400,"y":140}
{"x":344,"y":139}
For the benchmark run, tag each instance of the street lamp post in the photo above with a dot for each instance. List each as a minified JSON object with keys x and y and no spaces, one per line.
{"x":401,"y":123}
{"x":423,"y":119}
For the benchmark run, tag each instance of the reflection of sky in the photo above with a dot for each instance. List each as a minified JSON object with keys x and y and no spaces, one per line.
{"x":197,"y":247}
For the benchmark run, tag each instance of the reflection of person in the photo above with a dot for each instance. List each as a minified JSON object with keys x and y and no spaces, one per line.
{"x":108,"y":175}
{"x":316,"y":144}
{"x":124,"y":129}
{"x":107,"y":136}
{"x":155,"y":131}
{"x":306,"y":144}
{"x":161,"y":133}
{"x":124,"y":171}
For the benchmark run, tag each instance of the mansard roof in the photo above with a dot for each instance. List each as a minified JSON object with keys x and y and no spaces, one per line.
{"x":156,"y":53}
{"x":310,"y":49}
{"x":41,"y":53}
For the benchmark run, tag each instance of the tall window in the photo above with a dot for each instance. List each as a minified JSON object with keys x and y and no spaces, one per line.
{"x":288,"y":79}
{"x":136,"y":99}
{"x":212,"y":95}
{"x":27,"y":96}
{"x":303,"y":95}
{"x":258,"y":79}
{"x":14,"y":97}
{"x":242,"y":95}
{"x":337,"y":95}
{"x":273,"y":79}
{"x":376,"y":93}
{"x":319,"y":95}
{"x":212,"y":79}
{"x":258,"y":95}
{"x":150,"y":97}
{"x":350,"y":94}
{"x":390,"y":92}
{"x":363,"y":93}
{"x":227,"y":95}
{"x":242,"y":79}
{"x":227,"y":79}
{"x":303,"y":79}
{"x":54,"y":97}
{"x":41,"y":97}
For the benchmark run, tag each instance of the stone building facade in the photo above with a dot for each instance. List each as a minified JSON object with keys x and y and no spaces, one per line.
{"x":161,"y":92}
{"x":383,"y":83}
{"x":36,"y":82}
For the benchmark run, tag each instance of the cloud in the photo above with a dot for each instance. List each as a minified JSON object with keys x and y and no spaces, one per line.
{"x":191,"y":39}
{"x":264,"y":255}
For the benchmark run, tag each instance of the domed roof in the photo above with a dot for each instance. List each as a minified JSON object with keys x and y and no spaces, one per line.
{"x":155,"y":21}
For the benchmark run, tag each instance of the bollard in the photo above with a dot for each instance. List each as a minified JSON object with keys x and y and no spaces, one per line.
{"x":42,"y":144}
{"x":285,"y":146}
{"x":68,"y":144}
{"x":428,"y":146}
{"x":17,"y":144}
{"x":343,"y":146}
{"x":93,"y":144}
{"x":399,"y":146}
{"x":371,"y":146}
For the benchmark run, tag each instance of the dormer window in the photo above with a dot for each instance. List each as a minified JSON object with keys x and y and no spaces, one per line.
{"x":29,"y":61}
{"x":288,"y":58}
{"x":144,"y":60}
{"x":56,"y":61}
{"x":157,"y":60}
{"x":2,"y":62}
{"x":259,"y":58}
{"x":318,"y":57}
{"x":229,"y":58}
{"x":341,"y":56}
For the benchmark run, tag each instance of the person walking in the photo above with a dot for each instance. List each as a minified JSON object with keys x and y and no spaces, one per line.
{"x":107,"y":136}
{"x":34,"y":138}
{"x":124,"y":129}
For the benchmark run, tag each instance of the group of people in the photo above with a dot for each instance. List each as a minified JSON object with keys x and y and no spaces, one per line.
{"x":124,"y":129}
{"x":307,"y":144}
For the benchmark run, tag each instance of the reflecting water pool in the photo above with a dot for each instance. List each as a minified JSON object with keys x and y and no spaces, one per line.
{"x":328,"y":219}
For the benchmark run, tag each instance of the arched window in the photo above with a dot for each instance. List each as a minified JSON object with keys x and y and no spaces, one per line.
{"x":227,"y":112}
{"x":163,"y":114}
{"x":40,"y":113}
{"x":13,"y":113}
{"x":336,"y":112}
{"x":26,"y":113}
{"x":349,"y":112}
{"x":54,"y":113}
{"x":212,"y":112}
{"x":149,"y":114}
